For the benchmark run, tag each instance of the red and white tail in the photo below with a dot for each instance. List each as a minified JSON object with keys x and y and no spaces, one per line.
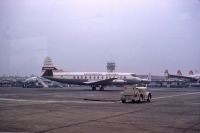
{"x":179,"y":73}
{"x":191,"y":72}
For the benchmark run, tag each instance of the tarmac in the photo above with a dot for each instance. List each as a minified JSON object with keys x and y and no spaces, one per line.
{"x":80,"y":110}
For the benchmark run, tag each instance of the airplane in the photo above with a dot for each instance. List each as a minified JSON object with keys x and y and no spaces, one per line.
{"x":191,"y":77}
{"x":93,"y":79}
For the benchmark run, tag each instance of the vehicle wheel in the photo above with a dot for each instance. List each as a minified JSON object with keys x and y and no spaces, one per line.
{"x":101,"y":89}
{"x":149,"y":98}
{"x":123,"y":101}
{"x":93,"y":88}
{"x":140,"y":98}
{"x":133,"y":101}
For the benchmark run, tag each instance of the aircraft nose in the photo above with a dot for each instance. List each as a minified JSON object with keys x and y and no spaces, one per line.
{"x":138,"y":79}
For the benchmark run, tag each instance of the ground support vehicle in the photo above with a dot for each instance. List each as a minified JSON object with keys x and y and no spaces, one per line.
{"x":135,"y":94}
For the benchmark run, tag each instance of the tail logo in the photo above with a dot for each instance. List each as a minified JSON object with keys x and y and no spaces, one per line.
{"x":48,"y":64}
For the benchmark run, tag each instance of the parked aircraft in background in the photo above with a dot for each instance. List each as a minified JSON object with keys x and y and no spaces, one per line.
{"x":34,"y":81}
{"x":191,"y":77}
{"x":40,"y":82}
{"x":93,"y":79}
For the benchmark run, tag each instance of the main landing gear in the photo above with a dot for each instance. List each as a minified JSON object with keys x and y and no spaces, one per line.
{"x":101,"y":88}
{"x":93,"y":88}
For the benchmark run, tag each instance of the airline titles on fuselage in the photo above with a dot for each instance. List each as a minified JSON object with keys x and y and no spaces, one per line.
{"x":103,"y":76}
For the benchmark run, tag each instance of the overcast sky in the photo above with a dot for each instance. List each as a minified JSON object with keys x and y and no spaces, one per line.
{"x":141,"y":36}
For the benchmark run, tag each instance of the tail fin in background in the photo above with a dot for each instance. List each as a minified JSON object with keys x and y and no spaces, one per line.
{"x":166,"y":74}
{"x":179,"y":73}
{"x":191,"y":72}
{"x":48,"y":67}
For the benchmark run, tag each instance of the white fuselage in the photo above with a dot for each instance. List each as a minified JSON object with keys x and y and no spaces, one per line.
{"x":93,"y":75}
{"x":83,"y":77}
{"x":195,"y":76}
{"x":93,"y":79}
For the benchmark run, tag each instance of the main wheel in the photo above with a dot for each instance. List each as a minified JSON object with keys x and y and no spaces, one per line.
{"x":133,"y":101}
{"x":101,"y":88}
{"x":123,"y":101}
{"x":93,"y":88}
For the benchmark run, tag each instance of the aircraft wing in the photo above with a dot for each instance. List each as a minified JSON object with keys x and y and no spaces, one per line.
{"x":100,"y":82}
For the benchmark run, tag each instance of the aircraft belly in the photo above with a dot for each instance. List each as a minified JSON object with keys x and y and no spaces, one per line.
{"x":129,"y":81}
{"x":69,"y":81}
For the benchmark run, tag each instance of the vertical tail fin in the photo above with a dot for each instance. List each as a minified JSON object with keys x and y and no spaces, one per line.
{"x":191,"y":72}
{"x":179,"y":73}
{"x":166,"y":74}
{"x":48,"y":67}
